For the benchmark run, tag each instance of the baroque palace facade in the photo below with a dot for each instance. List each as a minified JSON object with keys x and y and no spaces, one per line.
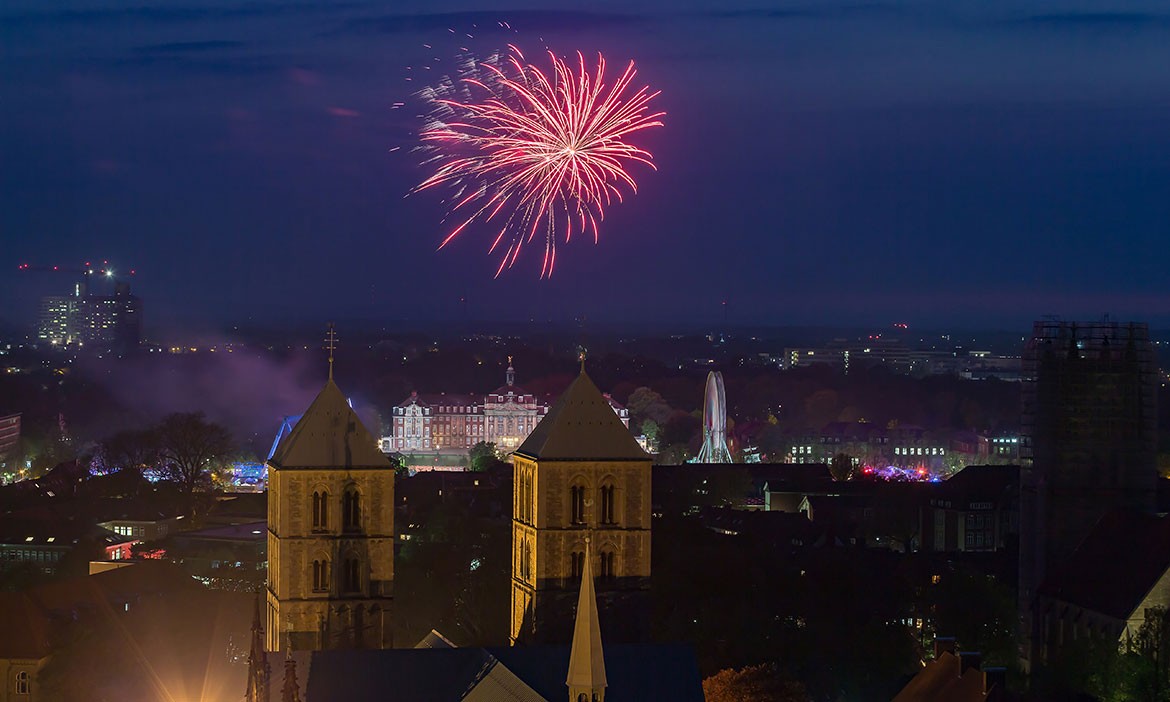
{"x":455,"y":423}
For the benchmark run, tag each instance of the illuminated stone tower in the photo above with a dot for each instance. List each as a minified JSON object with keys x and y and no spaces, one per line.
{"x":580,"y":473}
{"x":330,"y":533}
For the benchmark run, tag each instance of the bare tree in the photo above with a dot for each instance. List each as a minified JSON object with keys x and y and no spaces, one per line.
{"x":190,"y":447}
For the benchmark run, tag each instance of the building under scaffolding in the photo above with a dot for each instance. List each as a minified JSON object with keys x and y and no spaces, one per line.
{"x":1088,"y":443}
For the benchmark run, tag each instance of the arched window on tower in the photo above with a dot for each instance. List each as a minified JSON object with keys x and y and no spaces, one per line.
{"x":608,"y":562}
{"x":576,"y":564}
{"x":577,"y":503}
{"x":351,"y":510}
{"x":321,"y":575}
{"x":320,"y":510}
{"x":353,"y":575}
{"x":608,"y":512}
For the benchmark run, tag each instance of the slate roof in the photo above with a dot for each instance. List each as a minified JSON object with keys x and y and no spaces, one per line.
{"x":981,"y":483}
{"x":581,"y":426}
{"x":636,"y":673}
{"x":329,"y":435}
{"x":1137,"y":545}
{"x":26,"y":628}
{"x":27,"y":617}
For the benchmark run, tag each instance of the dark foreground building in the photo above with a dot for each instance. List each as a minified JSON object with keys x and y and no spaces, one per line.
{"x":1088,"y":445}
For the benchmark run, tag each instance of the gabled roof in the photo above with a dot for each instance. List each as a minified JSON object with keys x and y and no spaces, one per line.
{"x":329,"y":435}
{"x":498,"y":684}
{"x":940,"y":681}
{"x":581,"y":426}
{"x":636,"y":673}
{"x":1137,"y":545}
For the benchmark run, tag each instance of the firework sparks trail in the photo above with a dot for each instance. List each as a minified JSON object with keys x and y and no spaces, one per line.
{"x":534,"y":153}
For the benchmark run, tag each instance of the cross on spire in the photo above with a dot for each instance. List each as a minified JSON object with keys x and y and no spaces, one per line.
{"x":331,"y":344}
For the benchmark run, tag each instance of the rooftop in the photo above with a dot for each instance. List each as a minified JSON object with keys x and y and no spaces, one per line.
{"x":329,"y":435}
{"x":581,"y":426}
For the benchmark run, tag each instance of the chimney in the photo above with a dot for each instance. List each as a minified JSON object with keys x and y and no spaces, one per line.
{"x":943,"y":644}
{"x":994,"y":683}
{"x":968,"y":660}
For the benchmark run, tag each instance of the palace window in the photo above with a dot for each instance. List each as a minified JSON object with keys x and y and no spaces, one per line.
{"x":577,"y":503}
{"x":607,"y":504}
{"x":320,"y":510}
{"x":351,"y":510}
{"x":23,"y":683}
{"x":577,"y":564}
{"x":321,"y":576}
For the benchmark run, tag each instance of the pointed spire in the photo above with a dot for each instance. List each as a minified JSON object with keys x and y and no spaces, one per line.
{"x":291,"y":690}
{"x":510,"y":376}
{"x":331,"y":341}
{"x":586,"y":660}
{"x":581,"y":356}
{"x":259,"y":672}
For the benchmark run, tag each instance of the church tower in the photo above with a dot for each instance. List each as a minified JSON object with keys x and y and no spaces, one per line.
{"x":579,"y":475}
{"x":330,"y":533}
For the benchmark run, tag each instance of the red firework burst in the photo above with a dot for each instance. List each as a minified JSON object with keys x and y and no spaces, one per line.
{"x":535,"y":152}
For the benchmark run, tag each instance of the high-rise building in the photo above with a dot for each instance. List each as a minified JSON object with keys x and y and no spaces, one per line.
{"x":330,"y":533}
{"x":102,"y":322}
{"x":580,"y":477}
{"x":9,"y":436}
{"x":1088,"y":443}
{"x":59,"y":320}
{"x":112,"y":322}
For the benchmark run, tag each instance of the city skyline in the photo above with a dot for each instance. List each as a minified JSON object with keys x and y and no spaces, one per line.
{"x":851,"y":164}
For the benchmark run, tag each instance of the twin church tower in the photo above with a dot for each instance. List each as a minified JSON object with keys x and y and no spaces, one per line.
{"x":581,"y":490}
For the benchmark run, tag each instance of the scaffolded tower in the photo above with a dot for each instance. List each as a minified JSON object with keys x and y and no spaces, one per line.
{"x":1088,"y":443}
{"x":715,"y":422}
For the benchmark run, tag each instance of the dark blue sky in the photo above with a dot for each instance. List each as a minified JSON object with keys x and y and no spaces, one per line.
{"x":969,"y":163}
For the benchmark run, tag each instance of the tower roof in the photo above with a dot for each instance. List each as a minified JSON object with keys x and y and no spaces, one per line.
{"x":581,"y":426}
{"x":329,"y":435}
{"x":586,"y":660}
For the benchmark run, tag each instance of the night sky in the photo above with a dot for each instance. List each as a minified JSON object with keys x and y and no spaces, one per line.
{"x":970,"y":163}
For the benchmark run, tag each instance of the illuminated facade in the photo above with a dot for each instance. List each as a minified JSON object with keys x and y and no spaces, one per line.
{"x":455,"y":423}
{"x":330,"y":533}
{"x":9,"y":436}
{"x":578,"y":475}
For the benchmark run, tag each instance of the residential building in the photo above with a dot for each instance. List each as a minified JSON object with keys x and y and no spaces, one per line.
{"x":977,"y":509}
{"x":956,"y":676}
